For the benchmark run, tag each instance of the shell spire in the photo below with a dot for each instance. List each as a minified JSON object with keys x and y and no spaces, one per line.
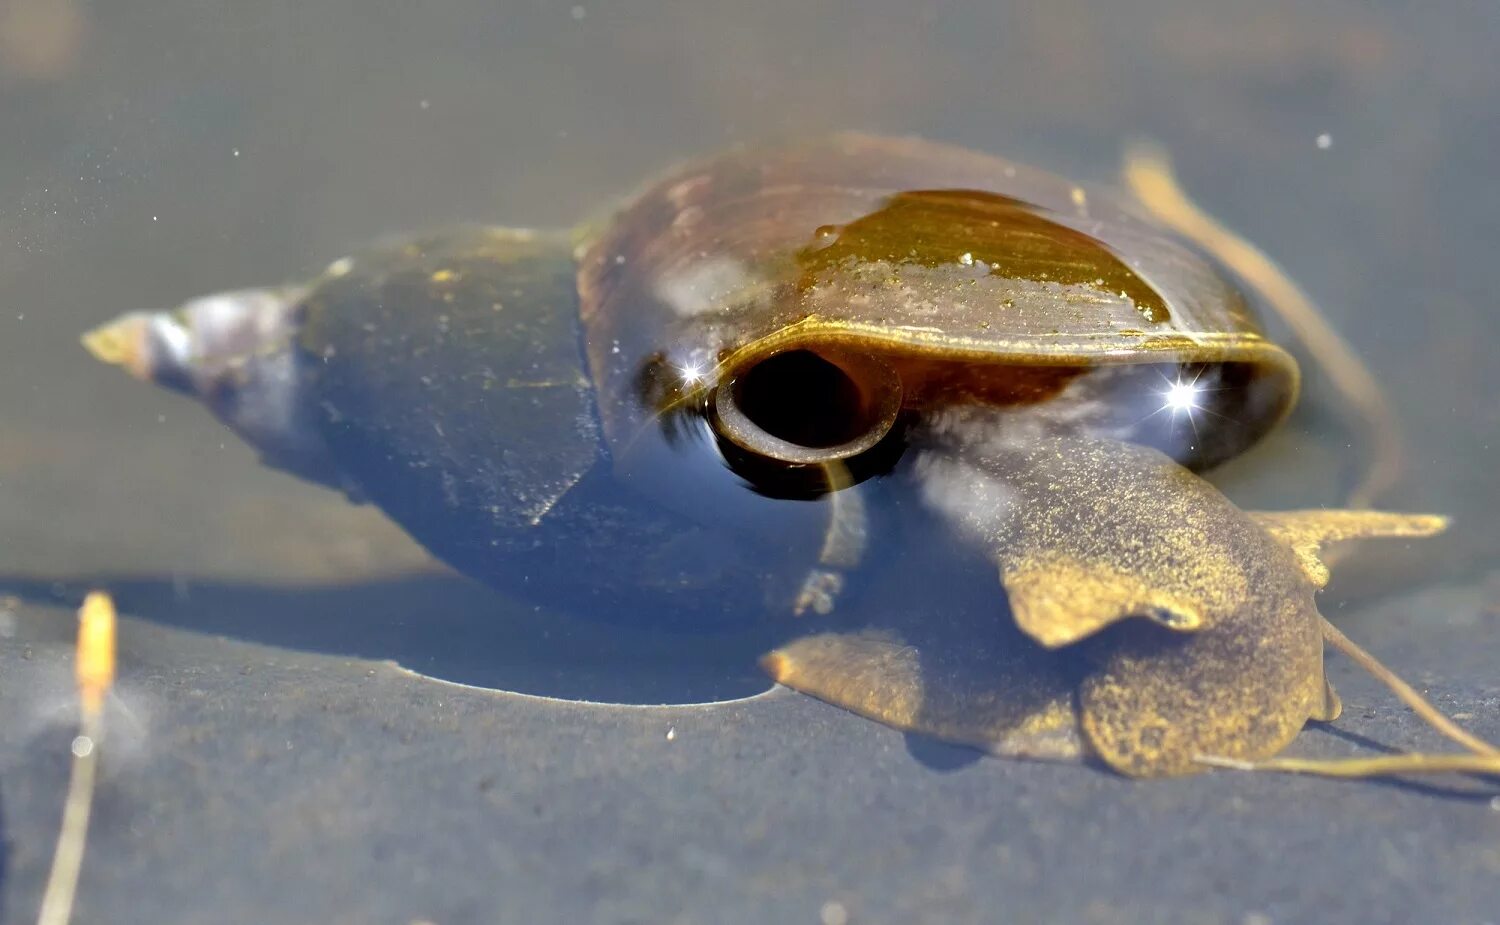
{"x":234,"y":352}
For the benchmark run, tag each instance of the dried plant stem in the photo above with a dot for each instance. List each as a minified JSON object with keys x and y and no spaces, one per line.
{"x":1365,"y":767}
{"x":67,"y":859}
{"x":1420,"y":705}
{"x":94,"y":671}
{"x":1148,"y":173}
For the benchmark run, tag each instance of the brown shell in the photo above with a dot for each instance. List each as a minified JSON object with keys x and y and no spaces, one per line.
{"x":932,"y":256}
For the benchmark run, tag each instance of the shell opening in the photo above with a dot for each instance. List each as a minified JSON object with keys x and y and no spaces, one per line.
{"x":799,"y":407}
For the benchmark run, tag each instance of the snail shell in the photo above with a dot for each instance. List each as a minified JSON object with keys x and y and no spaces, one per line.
{"x":580,"y":415}
{"x":818,"y":292}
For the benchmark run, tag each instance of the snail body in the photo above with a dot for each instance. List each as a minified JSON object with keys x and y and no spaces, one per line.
{"x":678,"y":413}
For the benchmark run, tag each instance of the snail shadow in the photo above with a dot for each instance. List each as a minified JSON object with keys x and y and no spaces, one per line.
{"x":452,"y":630}
{"x":941,"y":756}
{"x":446,"y":628}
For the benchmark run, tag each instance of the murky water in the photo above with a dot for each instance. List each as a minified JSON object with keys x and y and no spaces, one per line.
{"x":154,"y":153}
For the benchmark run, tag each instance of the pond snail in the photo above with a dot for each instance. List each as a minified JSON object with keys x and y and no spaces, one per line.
{"x":680,"y":413}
